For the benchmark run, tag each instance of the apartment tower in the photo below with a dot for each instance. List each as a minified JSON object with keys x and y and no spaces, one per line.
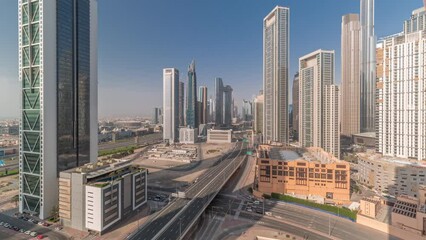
{"x":318,"y":100}
{"x":276,"y":40}
{"x":59,"y":96}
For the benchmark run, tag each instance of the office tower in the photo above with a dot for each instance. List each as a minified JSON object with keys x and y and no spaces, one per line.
{"x":155,"y":116}
{"x":199,"y":111}
{"x":211,"y":108}
{"x":295,"y":113}
{"x":401,"y":84}
{"x":247,"y":110}
{"x":191,"y":98}
{"x":350,"y":74}
{"x":318,"y":123}
{"x":276,"y":35}
{"x":258,"y":114}
{"x":170,"y":105}
{"x":58,"y":77}
{"x":218,"y":85}
{"x":181,"y":104}
{"x":332,"y":122}
{"x":204,"y":110}
{"x":227,"y":106}
{"x":368,"y":66}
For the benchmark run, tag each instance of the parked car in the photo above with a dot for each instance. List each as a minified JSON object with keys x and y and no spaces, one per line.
{"x":40,"y":236}
{"x":1,"y":223}
{"x":21,"y":230}
{"x":46,"y":224}
{"x":33,"y":234}
{"x":27,"y":232}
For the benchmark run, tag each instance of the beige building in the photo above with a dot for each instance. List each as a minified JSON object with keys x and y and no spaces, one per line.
{"x":258,"y":114}
{"x":369,"y":206}
{"x":319,"y":124}
{"x":219,"y":136}
{"x":350,"y":51}
{"x":409,"y":213}
{"x":311,"y":172}
{"x":391,"y":175}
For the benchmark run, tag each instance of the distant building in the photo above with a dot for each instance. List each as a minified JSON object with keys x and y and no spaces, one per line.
{"x":219,"y":136}
{"x":155,"y":116}
{"x":350,"y":51}
{"x":367,"y":139}
{"x":181,"y":104}
{"x":204,"y":113}
{"x":188,"y":135}
{"x":191,"y":98}
{"x":227,"y":106}
{"x":276,"y":44}
{"x":319,"y":123}
{"x":310,"y":173}
{"x":258,"y":114}
{"x":97,"y":195}
{"x":170,"y":105}
{"x":128,"y":124}
{"x":401,"y":112}
{"x":247,"y":114}
{"x":218,"y":101}
{"x":295,"y":114}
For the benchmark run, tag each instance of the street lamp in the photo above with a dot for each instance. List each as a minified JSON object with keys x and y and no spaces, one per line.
{"x":180,"y":227}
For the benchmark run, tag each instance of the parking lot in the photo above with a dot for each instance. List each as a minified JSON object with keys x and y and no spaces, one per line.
{"x":25,"y":227}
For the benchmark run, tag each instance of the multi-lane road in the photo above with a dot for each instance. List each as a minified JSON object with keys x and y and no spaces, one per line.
{"x":175,"y":219}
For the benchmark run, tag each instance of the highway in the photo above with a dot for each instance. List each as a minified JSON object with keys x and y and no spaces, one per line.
{"x":175,"y":219}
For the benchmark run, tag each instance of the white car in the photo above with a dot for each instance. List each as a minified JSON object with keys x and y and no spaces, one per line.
{"x":27,"y":232}
{"x":33,"y":234}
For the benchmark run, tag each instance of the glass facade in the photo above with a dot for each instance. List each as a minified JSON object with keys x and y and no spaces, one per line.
{"x":191,"y":98}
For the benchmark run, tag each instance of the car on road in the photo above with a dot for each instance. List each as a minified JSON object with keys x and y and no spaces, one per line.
{"x":46,"y":225}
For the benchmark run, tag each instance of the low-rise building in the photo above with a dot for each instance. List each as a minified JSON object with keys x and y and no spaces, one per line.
{"x":369,"y":206}
{"x":391,"y":175}
{"x":188,"y":135}
{"x":95,"y":196}
{"x":409,"y":213}
{"x":367,"y":139}
{"x":309,"y":172}
{"x":219,"y":136}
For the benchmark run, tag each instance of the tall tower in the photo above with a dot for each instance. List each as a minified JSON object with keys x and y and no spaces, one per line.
{"x":170,"y":105}
{"x":296,"y":106}
{"x":350,"y":74}
{"x":368,"y":66}
{"x":191,"y":98}
{"x":202,"y":95}
{"x":227,"y":106}
{"x":218,"y":85}
{"x":318,"y":100}
{"x":181,"y":104}
{"x":59,"y":114}
{"x":276,"y":35}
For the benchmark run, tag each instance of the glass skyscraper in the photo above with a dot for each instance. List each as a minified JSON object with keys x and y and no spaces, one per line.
{"x":170,"y":105}
{"x":58,"y":75}
{"x":191,"y":98}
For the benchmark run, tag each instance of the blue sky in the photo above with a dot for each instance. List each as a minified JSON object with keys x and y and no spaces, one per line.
{"x":137,"y":39}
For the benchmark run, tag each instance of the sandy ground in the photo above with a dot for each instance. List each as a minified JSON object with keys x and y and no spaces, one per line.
{"x":256,"y":231}
{"x":8,"y":188}
{"x":174,"y":174}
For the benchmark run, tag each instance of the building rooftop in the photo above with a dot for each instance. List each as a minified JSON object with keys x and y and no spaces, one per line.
{"x":366,"y":134}
{"x":371,"y":155}
{"x":311,"y":154}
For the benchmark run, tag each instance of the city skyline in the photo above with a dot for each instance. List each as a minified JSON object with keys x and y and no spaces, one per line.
{"x":146,"y":77}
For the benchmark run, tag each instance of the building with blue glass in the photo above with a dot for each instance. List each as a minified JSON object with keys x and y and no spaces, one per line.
{"x":191,"y":98}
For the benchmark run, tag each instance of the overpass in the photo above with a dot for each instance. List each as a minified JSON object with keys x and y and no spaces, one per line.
{"x":177,"y":218}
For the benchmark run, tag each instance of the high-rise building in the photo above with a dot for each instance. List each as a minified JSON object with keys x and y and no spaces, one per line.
{"x":331,"y":132}
{"x":218,"y":101}
{"x":211,"y":108}
{"x":227,"y":106}
{"x":276,"y":40}
{"x":317,"y":102}
{"x":295,"y":113}
{"x":58,"y":77}
{"x":246,"y":110}
{"x":367,"y":67}
{"x":350,"y":105}
{"x":170,"y":105}
{"x":401,"y":84}
{"x":155,"y":116}
{"x":191,"y":98}
{"x":181,"y":104}
{"x":258,"y":114}
{"x":202,"y":95}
